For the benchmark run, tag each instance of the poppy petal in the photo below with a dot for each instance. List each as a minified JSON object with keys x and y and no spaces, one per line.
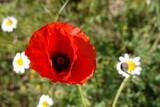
{"x":85,"y":63}
{"x":81,"y":72}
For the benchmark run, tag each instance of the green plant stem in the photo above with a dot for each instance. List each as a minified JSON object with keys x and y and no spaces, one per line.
{"x":119,"y":91}
{"x":82,"y":96}
{"x":53,"y":89}
{"x":60,"y":11}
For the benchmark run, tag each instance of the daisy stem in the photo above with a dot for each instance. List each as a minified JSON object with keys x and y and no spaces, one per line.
{"x":119,"y":91}
{"x":60,"y":11}
{"x":82,"y":95}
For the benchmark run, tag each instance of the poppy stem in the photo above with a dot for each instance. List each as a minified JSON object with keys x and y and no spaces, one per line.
{"x":60,"y":11}
{"x":82,"y":95}
{"x":119,"y":91}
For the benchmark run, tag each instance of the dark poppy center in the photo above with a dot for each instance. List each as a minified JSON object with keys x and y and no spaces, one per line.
{"x":60,"y":62}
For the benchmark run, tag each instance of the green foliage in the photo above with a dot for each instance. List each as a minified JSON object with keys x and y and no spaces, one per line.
{"x":132,"y":27}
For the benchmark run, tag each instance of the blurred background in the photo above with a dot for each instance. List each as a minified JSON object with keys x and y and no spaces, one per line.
{"x":115,"y":27}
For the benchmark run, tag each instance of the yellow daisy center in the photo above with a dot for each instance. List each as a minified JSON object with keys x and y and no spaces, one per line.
{"x":131,"y":65}
{"x":9,"y":22}
{"x":45,"y":103}
{"x":125,"y":27}
{"x":20,"y":61}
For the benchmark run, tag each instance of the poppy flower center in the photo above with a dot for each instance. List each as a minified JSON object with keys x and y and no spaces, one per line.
{"x":60,"y":62}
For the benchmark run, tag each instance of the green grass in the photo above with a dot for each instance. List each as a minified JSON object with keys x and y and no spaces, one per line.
{"x":129,"y":26}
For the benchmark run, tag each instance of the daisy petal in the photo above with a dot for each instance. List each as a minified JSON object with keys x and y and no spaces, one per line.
{"x":22,"y":69}
{"x":126,"y":56}
{"x":122,"y":59}
{"x":136,"y":59}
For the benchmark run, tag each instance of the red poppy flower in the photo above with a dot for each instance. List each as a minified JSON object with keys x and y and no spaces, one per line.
{"x":62,"y":53}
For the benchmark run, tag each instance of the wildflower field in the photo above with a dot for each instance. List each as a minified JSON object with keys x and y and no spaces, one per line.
{"x":79,"y":53}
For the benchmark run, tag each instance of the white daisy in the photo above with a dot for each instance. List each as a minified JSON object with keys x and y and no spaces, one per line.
{"x":45,"y":101}
{"x":9,"y":23}
{"x":148,"y":2}
{"x":20,"y":62}
{"x":129,"y":66}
